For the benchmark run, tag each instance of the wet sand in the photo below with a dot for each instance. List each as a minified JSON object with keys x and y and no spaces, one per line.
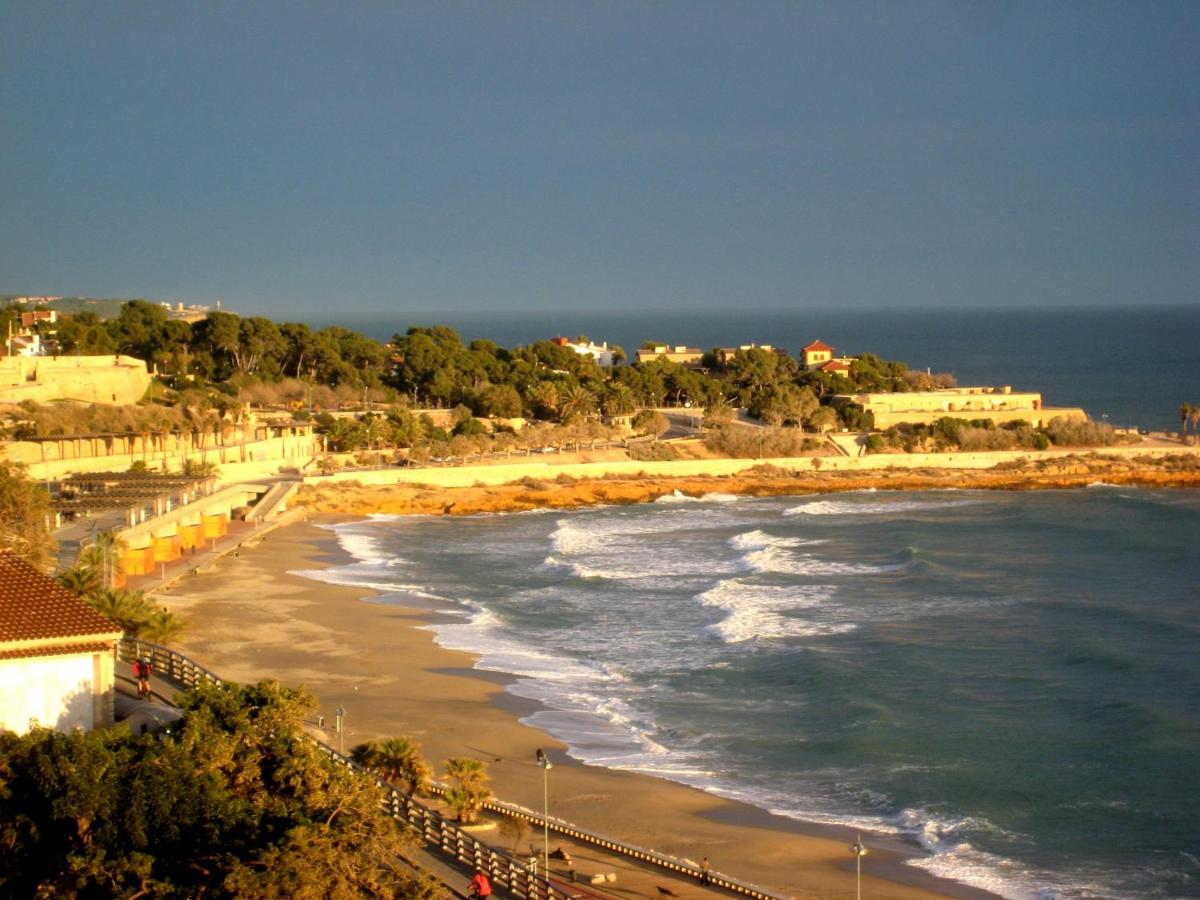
{"x":251,"y":620}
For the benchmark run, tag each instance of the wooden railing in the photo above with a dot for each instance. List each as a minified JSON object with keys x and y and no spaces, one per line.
{"x":443,"y":835}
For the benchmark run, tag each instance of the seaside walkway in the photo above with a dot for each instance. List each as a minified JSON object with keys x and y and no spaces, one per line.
{"x":450,"y":853}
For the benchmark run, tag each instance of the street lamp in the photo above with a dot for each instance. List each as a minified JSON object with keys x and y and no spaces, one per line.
{"x":544,"y":762}
{"x":859,"y":852}
{"x":340,"y":717}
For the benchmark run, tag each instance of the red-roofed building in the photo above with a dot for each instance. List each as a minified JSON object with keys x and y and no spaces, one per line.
{"x":835,"y":367}
{"x":817,"y":354}
{"x":56,"y":654}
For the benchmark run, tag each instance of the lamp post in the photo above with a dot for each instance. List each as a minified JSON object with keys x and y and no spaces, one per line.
{"x":339,"y":716}
{"x":859,"y":852}
{"x":544,"y":762}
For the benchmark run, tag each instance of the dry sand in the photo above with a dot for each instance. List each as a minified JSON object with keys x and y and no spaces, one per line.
{"x":251,"y":620}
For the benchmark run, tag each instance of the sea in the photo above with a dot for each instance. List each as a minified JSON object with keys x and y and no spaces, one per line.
{"x":1009,"y":681}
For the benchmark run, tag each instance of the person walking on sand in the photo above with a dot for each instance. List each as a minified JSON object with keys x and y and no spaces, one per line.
{"x":705,"y":872}
{"x":480,"y":887}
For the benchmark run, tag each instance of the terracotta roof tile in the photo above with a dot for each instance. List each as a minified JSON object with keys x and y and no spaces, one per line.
{"x":35,"y":607}
{"x":57,"y":650}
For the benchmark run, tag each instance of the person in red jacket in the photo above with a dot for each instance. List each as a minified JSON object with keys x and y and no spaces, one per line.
{"x":480,"y":887}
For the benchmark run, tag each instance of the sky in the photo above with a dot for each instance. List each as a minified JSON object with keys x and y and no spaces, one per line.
{"x":356,"y":158}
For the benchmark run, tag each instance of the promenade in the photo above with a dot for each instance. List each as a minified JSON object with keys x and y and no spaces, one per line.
{"x":447,"y":851}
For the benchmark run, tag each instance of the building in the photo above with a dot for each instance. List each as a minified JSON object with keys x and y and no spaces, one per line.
{"x":56,"y":654}
{"x":722,"y":355}
{"x":601,"y":353}
{"x":685,"y":356}
{"x":1000,"y":404}
{"x":816,"y":354}
{"x":33,"y":317}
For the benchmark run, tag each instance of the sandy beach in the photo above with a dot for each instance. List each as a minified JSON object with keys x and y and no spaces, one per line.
{"x":250,"y":619}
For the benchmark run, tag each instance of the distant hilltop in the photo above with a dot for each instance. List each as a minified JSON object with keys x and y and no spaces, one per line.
{"x":110,"y":307}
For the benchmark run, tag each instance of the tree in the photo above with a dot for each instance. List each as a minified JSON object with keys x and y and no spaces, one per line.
{"x":470,"y":790}
{"x":233,"y":801}
{"x":396,"y":760}
{"x":24,"y":516}
{"x":1186,"y":411}
{"x":577,"y":403}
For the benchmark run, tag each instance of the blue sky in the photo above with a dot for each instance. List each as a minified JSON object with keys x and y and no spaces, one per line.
{"x":301,"y":158}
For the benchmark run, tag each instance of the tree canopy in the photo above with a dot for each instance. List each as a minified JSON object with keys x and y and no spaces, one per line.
{"x":230,"y":802}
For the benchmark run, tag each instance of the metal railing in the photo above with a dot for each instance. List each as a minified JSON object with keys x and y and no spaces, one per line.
{"x":442,"y":834}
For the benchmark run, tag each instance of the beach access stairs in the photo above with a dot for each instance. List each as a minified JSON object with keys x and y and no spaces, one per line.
{"x":443,"y":836}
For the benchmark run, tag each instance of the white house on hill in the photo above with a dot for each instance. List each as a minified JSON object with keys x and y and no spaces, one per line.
{"x":56,"y":654}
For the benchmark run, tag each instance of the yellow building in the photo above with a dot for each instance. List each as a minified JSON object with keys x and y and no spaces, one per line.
{"x":686,"y":356}
{"x":1000,"y":404}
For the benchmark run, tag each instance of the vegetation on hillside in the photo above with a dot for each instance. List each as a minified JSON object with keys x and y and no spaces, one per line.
{"x":231,"y":801}
{"x":24,"y":516}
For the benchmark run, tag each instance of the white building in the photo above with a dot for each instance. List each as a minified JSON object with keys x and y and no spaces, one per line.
{"x":601,"y":353}
{"x":56,"y":654}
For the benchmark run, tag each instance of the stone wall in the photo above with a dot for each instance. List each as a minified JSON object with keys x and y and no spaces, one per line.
{"x":467,"y":476}
{"x":115,"y":380}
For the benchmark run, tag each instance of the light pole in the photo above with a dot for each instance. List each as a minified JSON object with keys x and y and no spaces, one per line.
{"x":340,"y":715}
{"x":544,"y":762}
{"x":859,"y":852}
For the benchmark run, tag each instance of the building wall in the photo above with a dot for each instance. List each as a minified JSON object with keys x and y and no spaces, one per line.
{"x":237,"y":460}
{"x":59,"y":692}
{"x":88,"y":379}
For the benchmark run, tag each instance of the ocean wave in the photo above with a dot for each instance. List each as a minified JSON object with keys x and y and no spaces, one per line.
{"x":849,"y":508}
{"x":758,"y":612}
{"x":760,"y":540}
{"x":680,"y":497}
{"x":776,"y":560}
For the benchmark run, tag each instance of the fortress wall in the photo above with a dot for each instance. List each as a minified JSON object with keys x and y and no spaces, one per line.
{"x":89,"y":379}
{"x":1036,"y":417}
{"x":467,"y":476}
{"x":240,"y":461}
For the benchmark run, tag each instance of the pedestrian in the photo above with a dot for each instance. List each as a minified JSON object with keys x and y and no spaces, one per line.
{"x":705,"y":871}
{"x":141,"y":669}
{"x":480,"y":887}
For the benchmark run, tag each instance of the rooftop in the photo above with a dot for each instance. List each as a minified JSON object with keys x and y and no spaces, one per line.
{"x":35,"y":607}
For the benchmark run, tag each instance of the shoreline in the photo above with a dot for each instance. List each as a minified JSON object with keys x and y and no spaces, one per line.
{"x":380,"y":662}
{"x":398,"y":492}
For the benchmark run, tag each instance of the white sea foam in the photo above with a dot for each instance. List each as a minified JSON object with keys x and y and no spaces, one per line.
{"x":759,"y":540}
{"x":850,"y":508}
{"x":777,"y":560}
{"x":680,"y":497}
{"x":759,"y":612}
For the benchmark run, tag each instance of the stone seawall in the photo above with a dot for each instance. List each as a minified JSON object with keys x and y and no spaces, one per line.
{"x":469,"y":476}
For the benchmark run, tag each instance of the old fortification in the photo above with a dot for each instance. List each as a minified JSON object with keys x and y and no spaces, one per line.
{"x":114,"y":380}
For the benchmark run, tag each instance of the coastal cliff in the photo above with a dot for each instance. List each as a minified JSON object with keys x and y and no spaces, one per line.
{"x":566,"y":491}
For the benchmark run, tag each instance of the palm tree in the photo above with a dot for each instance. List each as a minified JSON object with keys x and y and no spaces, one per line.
{"x":577,"y":402}
{"x":399,"y":760}
{"x":103,"y":556}
{"x":129,"y":609}
{"x":1194,"y":418}
{"x":467,"y":797}
{"x":1185,"y":416}
{"x":80,"y":580}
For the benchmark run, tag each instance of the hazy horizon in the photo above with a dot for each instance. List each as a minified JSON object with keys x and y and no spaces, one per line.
{"x":290,"y":159}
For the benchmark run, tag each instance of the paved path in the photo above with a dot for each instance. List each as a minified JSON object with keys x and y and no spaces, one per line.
{"x":632,"y":879}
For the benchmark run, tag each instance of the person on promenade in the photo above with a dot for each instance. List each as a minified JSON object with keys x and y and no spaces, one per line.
{"x":480,"y":887}
{"x":705,"y":871}
{"x":141,"y":671}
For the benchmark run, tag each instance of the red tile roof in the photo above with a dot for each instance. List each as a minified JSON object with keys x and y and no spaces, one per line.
{"x":35,"y":607}
{"x":819,"y":345}
{"x":57,"y":650}
{"x":833,"y":366}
